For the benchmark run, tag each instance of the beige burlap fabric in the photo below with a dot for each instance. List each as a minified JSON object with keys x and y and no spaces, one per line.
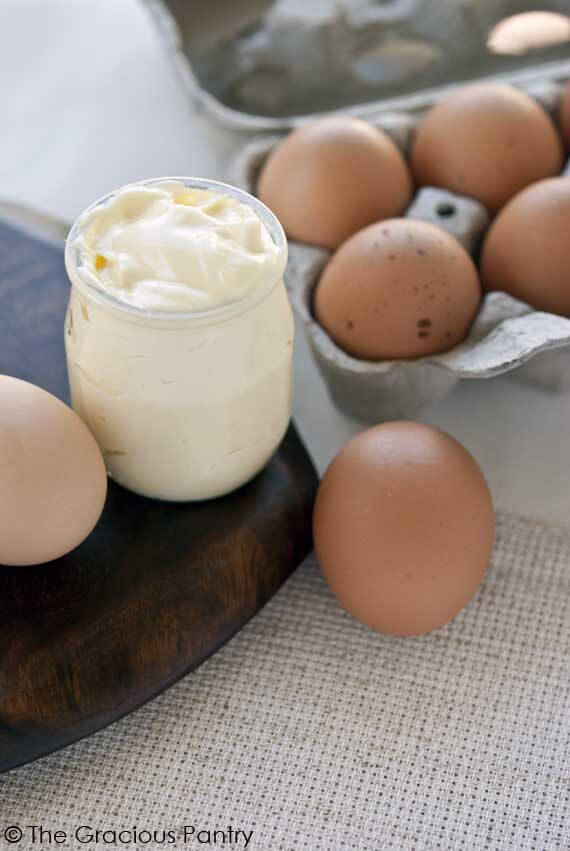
{"x":315,"y":733}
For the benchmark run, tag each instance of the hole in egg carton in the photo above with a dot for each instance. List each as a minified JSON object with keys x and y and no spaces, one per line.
{"x":446,"y":210}
{"x":464,"y":218}
{"x":506,"y":335}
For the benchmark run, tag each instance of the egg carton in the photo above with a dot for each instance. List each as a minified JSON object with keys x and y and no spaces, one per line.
{"x":506,"y":335}
{"x":272,"y":64}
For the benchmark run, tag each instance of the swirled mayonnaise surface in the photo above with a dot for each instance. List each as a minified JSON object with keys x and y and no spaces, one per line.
{"x":172,"y":248}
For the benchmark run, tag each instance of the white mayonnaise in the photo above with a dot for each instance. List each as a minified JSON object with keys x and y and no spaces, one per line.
{"x":179,"y":335}
{"x":170,"y":247}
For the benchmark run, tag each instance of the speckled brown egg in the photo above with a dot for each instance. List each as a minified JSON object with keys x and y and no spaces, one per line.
{"x":487,"y":141}
{"x":565,"y":116}
{"x":53,"y":480}
{"x":403,"y":527}
{"x":331,"y":177}
{"x":398,"y":289}
{"x":527,"y":250}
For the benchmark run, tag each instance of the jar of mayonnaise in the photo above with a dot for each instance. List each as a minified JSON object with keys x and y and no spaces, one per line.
{"x":179,"y":335}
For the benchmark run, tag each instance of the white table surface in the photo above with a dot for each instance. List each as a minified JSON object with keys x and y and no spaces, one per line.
{"x":90,"y":102}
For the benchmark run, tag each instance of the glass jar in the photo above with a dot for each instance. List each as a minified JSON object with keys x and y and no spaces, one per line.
{"x":185,"y":406}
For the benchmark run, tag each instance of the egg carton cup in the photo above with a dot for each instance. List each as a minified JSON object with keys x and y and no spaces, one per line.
{"x":506,"y":335}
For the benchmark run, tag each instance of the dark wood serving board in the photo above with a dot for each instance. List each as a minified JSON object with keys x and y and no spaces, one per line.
{"x":156,"y":588}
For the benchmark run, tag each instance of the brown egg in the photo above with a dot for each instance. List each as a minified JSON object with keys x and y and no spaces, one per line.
{"x":486,"y":141}
{"x":332,"y":177}
{"x":403,"y":527}
{"x":565,"y":116}
{"x":53,"y":481}
{"x":398,"y":289}
{"x":527,"y":250}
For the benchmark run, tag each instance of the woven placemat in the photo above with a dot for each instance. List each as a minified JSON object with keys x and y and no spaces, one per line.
{"x":315,"y":733}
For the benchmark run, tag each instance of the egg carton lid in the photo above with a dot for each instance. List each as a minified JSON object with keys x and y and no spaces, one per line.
{"x":272,"y":64}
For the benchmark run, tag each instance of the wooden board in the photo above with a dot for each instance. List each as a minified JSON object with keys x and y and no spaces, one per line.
{"x":156,"y":589}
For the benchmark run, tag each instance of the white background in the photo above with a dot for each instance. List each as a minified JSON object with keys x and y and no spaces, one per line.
{"x":89,"y":102}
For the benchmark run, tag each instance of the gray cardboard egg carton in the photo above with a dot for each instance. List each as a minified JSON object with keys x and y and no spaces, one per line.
{"x":506,"y":334}
{"x":270,"y":64}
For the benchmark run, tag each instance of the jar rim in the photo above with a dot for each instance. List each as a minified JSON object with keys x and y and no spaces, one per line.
{"x":79,"y":279}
